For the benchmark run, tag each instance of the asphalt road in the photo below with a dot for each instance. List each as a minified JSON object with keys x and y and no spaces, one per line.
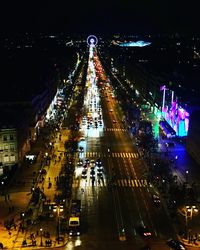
{"x":114,"y":208}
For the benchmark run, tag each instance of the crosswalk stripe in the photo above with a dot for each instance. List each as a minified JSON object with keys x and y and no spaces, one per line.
{"x":90,"y":154}
{"x":120,"y":183}
{"x":131,"y":183}
{"x":125,"y":182}
{"x":139,"y":183}
{"x":115,"y":129}
{"x":145,"y":182}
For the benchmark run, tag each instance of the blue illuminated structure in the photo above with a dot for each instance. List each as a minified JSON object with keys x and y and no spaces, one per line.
{"x":135,"y":44}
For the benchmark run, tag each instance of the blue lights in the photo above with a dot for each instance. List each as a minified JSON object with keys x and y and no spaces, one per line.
{"x":135,"y":44}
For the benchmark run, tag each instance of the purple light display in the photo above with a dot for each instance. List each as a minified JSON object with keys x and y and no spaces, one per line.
{"x":176,"y":116}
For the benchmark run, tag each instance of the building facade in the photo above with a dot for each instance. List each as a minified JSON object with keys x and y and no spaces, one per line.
{"x":8,"y":149}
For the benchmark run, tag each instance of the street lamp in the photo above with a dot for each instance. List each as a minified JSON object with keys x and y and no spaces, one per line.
{"x":58,"y":209}
{"x":186,"y":175}
{"x":41,"y":243}
{"x":189,"y":212}
{"x":22,"y":217}
{"x":2,"y":184}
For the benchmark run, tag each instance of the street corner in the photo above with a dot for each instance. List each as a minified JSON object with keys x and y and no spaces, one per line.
{"x":190,"y":241}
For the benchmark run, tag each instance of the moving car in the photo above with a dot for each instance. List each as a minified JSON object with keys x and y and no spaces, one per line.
{"x":144,"y":231}
{"x":81,"y":149}
{"x":98,"y":162}
{"x":156,"y":199}
{"x":175,"y":244}
{"x":80,"y":163}
{"x":84,"y":174}
{"x":92,"y":173}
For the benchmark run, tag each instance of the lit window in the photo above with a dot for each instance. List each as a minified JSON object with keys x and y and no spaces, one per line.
{"x":12,"y":157}
{"x":6,"y":158}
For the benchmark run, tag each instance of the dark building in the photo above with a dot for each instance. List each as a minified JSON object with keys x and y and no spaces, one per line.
{"x":31,"y":74}
{"x":193,"y":139}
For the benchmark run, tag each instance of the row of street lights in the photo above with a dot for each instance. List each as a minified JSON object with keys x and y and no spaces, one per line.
{"x":189,"y":212}
{"x":56,"y":209}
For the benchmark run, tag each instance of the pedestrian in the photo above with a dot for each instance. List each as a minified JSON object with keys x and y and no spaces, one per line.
{"x":8,"y":197}
{"x":1,"y":245}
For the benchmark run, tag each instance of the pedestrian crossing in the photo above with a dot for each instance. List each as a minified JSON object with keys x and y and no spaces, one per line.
{"x":113,"y":154}
{"x":135,"y":183}
{"x":116,"y":129}
{"x":131,"y":183}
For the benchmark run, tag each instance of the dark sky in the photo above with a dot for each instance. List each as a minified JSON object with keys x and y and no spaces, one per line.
{"x":101,"y":16}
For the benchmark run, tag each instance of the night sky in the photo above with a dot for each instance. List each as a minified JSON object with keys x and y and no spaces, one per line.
{"x":106,"y":17}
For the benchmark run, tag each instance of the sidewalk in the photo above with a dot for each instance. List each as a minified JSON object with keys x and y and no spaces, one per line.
{"x":18,"y":201}
{"x":191,"y":244}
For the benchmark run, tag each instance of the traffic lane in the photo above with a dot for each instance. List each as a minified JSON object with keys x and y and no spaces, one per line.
{"x":144,"y":199}
{"x":145,"y":196}
{"x":102,"y":245}
{"x":119,"y":140}
{"x":135,"y":214}
{"x":129,"y":216}
{"x":97,"y":216}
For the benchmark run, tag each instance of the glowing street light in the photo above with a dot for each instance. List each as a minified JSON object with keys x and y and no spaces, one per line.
{"x":186,"y":177}
{"x":58,"y":209}
{"x":189,"y":211}
{"x":41,"y":243}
